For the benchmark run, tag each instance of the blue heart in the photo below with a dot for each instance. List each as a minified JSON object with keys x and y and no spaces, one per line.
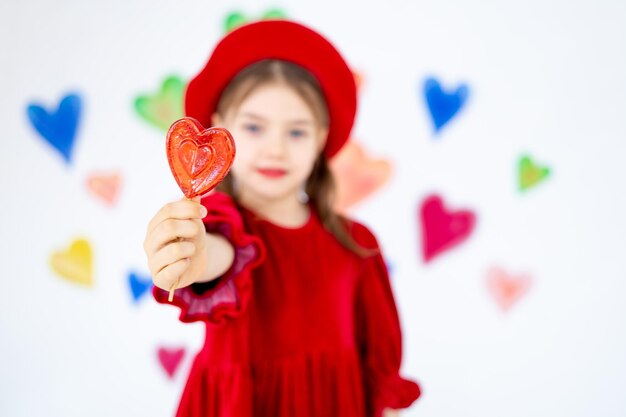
{"x":58,"y":128}
{"x":443,"y":105}
{"x":139,"y":285}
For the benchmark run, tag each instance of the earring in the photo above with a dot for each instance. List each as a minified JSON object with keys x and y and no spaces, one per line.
{"x":303,"y":197}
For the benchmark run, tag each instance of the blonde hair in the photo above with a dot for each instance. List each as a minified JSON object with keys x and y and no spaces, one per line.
{"x":320,"y":186}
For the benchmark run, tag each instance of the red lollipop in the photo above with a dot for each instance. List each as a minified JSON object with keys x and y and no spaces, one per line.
{"x":199,"y":158}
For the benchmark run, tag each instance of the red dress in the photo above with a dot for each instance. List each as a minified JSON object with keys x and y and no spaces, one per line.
{"x":299,"y":326}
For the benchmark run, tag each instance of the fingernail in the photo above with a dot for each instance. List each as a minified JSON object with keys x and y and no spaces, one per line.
{"x":203,"y":211}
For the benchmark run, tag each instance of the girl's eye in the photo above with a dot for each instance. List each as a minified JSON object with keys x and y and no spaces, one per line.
{"x":297,"y":133}
{"x":252,"y":128}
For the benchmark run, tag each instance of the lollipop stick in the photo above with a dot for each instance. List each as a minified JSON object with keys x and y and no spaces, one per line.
{"x":172,"y":289}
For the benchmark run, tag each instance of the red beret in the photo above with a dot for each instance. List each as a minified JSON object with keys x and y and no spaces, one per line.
{"x":281,"y":40}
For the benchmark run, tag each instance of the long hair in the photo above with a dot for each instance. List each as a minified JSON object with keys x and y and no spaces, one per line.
{"x":320,"y":186}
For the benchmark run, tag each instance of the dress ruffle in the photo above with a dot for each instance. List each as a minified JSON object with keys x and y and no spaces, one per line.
{"x":393,"y":392}
{"x":227,"y":296}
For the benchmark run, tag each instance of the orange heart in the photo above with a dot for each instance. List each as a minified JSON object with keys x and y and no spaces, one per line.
{"x":198,"y":158}
{"x":105,"y":186}
{"x":357,"y":175}
{"x":507,"y":289}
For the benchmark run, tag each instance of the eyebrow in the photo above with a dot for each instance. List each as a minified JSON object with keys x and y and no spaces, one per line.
{"x":294,"y":122}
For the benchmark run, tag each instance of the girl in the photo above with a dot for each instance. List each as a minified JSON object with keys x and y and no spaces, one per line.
{"x":300,"y":317}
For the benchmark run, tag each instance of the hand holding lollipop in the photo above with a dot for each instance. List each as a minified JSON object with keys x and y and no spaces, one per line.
{"x":199,"y":159}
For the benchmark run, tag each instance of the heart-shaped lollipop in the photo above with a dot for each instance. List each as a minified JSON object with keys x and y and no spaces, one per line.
{"x":199,"y":158}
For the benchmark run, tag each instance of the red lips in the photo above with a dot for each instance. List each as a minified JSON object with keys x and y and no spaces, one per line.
{"x":272,"y":172}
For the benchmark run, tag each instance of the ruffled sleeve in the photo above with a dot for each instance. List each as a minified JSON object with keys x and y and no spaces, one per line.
{"x":227,"y":296}
{"x":379,"y":334}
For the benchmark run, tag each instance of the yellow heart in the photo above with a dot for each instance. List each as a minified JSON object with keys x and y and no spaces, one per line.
{"x":75,"y":263}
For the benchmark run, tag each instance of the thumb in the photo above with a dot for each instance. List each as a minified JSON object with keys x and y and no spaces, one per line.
{"x":202,"y":208}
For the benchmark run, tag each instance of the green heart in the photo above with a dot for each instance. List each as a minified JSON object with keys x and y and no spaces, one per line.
{"x":237,"y":18}
{"x":164,"y":107}
{"x":530,"y":174}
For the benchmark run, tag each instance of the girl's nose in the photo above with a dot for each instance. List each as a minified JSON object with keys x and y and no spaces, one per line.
{"x":275,"y":146}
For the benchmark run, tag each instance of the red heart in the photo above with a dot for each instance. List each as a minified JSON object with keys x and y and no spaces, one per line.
{"x":442,"y":230}
{"x":507,"y":289}
{"x":170,"y":359}
{"x":198,"y":158}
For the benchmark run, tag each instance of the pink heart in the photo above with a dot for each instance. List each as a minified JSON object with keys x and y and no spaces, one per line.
{"x":170,"y":359}
{"x":441,"y":229}
{"x":507,"y":289}
{"x":105,"y":186}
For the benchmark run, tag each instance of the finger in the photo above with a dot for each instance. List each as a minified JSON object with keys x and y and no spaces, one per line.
{"x":170,"y":274}
{"x":183,"y":209}
{"x":198,"y":200}
{"x":170,"y":230}
{"x":170,"y":253}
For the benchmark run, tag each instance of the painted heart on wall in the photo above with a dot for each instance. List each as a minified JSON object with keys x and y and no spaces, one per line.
{"x":443,"y":105}
{"x":238,"y":18}
{"x":507,"y":289}
{"x":530,"y":173}
{"x":139,"y":285}
{"x":105,"y":186}
{"x":58,"y":127}
{"x":74,"y":264}
{"x":357,"y":175}
{"x":442,"y":229}
{"x":170,"y":359}
{"x":164,"y":107}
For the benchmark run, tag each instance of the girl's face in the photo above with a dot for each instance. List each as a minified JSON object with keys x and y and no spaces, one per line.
{"x":278,"y":141}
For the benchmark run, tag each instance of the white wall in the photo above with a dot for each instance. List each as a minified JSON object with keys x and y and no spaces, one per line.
{"x":545,"y":78}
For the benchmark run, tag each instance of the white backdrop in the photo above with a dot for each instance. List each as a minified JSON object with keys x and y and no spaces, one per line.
{"x":545,"y":336}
